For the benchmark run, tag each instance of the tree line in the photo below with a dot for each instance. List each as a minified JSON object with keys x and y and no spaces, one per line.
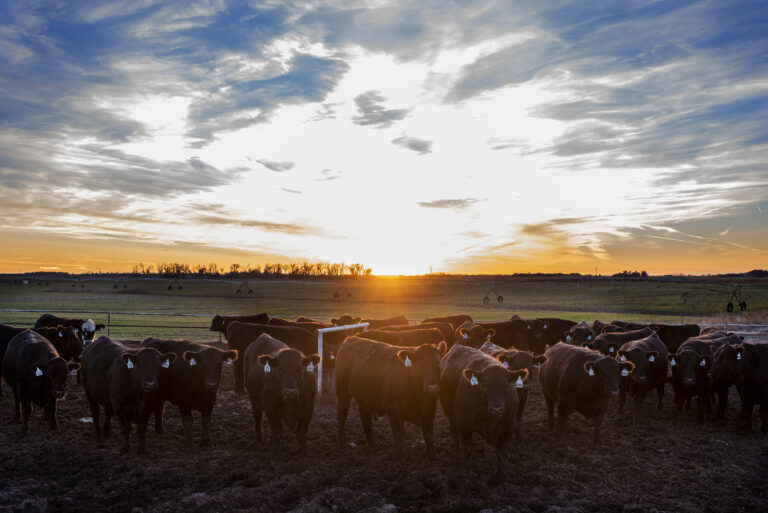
{"x":236,"y":270}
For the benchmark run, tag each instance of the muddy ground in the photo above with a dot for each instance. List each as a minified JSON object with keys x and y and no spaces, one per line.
{"x":662,"y":463}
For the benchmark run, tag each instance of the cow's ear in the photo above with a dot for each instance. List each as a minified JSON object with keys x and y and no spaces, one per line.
{"x":72,"y":366}
{"x":652,"y":355}
{"x":229,"y":356}
{"x":519,"y":374}
{"x":38,"y":370}
{"x":540,"y":360}
{"x":128,"y":359}
{"x":471,"y":377}
{"x":168,"y":358}
{"x":100,"y":327}
{"x":589,"y":368}
{"x":265,"y":360}
{"x":621,"y":353}
{"x":463,"y":333}
{"x":490,"y":333}
{"x":672,"y":357}
{"x":312,"y":360}
{"x":358,"y":319}
{"x":406,"y":356}
{"x":611,"y":349}
{"x":335,"y":321}
{"x":505,"y":359}
{"x":741,"y":337}
{"x":588,"y":345}
{"x":628,"y":366}
{"x":191,"y":357}
{"x":442,"y":348}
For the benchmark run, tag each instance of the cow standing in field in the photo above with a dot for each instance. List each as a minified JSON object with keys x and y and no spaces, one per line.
{"x":85,"y":328}
{"x":220,"y":323}
{"x":400,"y":382}
{"x":610,"y":342}
{"x":746,"y":366}
{"x":478,"y":395}
{"x":241,"y":335}
{"x":517,"y":333}
{"x":673,"y":335}
{"x":125,"y":382}
{"x":345,"y":320}
{"x":455,"y":320}
{"x":690,"y":375}
{"x":649,"y":356}
{"x":192,"y":383}
{"x":37,"y":374}
{"x":409,"y":338}
{"x":445,"y":328}
{"x":282,"y":384}
{"x":513,"y":359}
{"x":582,"y":380}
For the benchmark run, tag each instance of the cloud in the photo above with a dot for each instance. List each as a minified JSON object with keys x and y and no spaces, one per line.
{"x":327,"y":176}
{"x":420,"y":146}
{"x":276,"y":166}
{"x":457,"y":204}
{"x":292,"y":191}
{"x":285,"y":228}
{"x":372,"y":113}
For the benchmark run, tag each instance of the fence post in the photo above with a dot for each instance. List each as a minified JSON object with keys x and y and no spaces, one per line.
{"x":320,"y":365}
{"x":109,"y":322}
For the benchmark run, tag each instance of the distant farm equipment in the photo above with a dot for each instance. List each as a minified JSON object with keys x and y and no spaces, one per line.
{"x":244,"y":286}
{"x":340,"y":292}
{"x":492,"y":290}
{"x":736,"y":297}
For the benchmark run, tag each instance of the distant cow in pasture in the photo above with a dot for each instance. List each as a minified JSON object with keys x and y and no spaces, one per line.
{"x":126,"y":382}
{"x":582,"y":380}
{"x":37,"y":375}
{"x":345,"y":320}
{"x":85,"y":328}
{"x":192,"y":383}
{"x":478,"y":395}
{"x":282,"y":384}
{"x":400,"y":382}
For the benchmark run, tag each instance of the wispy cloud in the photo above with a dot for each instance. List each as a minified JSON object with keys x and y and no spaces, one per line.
{"x":277,"y":166}
{"x":371,"y":112}
{"x":460,"y":203}
{"x":420,"y":146}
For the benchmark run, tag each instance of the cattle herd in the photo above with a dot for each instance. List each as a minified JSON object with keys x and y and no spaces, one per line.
{"x":479,"y":373}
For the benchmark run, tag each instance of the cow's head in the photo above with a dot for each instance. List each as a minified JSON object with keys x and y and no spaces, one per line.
{"x":88,"y":329}
{"x":516,"y":360}
{"x":206,"y":364}
{"x":474,"y":335}
{"x":144,"y":365}
{"x":494,"y":384}
{"x":641,"y":359}
{"x":53,"y":374}
{"x":424,"y":362}
{"x":345,"y":320}
{"x":688,"y":365}
{"x":726,"y":365}
{"x":70,"y":343}
{"x":605,"y":372}
{"x":292,"y":373}
{"x":217,"y":324}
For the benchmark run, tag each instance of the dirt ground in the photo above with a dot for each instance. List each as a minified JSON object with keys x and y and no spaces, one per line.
{"x":663,"y":463}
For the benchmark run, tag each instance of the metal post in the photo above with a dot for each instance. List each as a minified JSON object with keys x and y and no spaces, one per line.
{"x":320,"y":365}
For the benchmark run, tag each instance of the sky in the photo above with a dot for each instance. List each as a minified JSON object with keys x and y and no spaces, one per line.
{"x":452,"y":136}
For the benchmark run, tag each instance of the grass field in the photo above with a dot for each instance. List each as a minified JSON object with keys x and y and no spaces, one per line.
{"x":415,"y":297}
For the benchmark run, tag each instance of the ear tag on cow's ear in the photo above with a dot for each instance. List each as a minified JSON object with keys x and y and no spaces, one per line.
{"x":129,"y":364}
{"x":536,"y":365}
{"x":229,"y":361}
{"x":61,"y":333}
{"x":267,"y":368}
{"x":310,"y":367}
{"x":38,"y":372}
{"x":101,"y":329}
{"x":505,"y":364}
{"x":738,"y":356}
{"x":488,"y":337}
{"x":192,"y":362}
{"x":591,"y":371}
{"x":672,"y":362}
{"x":407,"y":361}
{"x":545,"y":326}
{"x":624,"y":372}
{"x":333,"y":357}
{"x":568,"y":338}
{"x":528,"y":326}
{"x":589,"y":337}
{"x":651,"y":358}
{"x":473,"y":381}
{"x":464,"y":335}
{"x":610,"y":349}
{"x":702,"y":363}
{"x":519,"y":382}
{"x":166,"y":364}
{"x":624,"y":358}
{"x":73,"y":372}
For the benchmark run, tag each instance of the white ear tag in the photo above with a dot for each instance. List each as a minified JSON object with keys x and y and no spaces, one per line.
{"x":77,"y":330}
{"x":488,"y":337}
{"x":528,"y":326}
{"x":38,"y":372}
{"x":61,"y":333}
{"x":624,"y":372}
{"x":473,"y":381}
{"x":464,"y":335}
{"x":310,"y":367}
{"x":589,"y":337}
{"x":166,"y":363}
{"x":591,"y":372}
{"x":702,"y":363}
{"x":267,"y":368}
{"x":536,"y":365}
{"x":610,"y":349}
{"x":651,"y":358}
{"x":73,"y":372}
{"x":505,"y":364}
{"x":129,"y":364}
{"x":519,"y":382}
{"x":229,"y":361}
{"x":192,"y":362}
{"x":738,"y":356}
{"x":623,"y":358}
{"x":672,"y":362}
{"x":568,"y":338}
{"x":407,"y":361}
{"x":333,"y":357}
{"x":545,"y":326}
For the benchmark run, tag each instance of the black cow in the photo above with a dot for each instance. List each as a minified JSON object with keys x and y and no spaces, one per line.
{"x":746,"y":366}
{"x":517,"y":333}
{"x":609,"y":342}
{"x":455,"y":320}
{"x":375,"y":324}
{"x":191,"y":383}
{"x":580,"y":334}
{"x":408,"y":338}
{"x":445,"y":328}
{"x":690,"y":374}
{"x":125,"y":381}
{"x":478,"y":395}
{"x":549,"y":331}
{"x":649,"y":355}
{"x":600,"y":327}
{"x":85,"y":328}
{"x":473,"y":335}
{"x":673,"y":335}
{"x":220,"y":323}
{"x":282,"y":383}
{"x":582,"y":380}
{"x":345,"y":320}
{"x":400,"y":382}
{"x":241,"y":335}
{"x":628,"y":326}
{"x":37,"y":374}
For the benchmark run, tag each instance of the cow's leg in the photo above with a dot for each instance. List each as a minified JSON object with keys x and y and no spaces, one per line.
{"x":522,"y":397}
{"x":660,"y":396}
{"x":398,"y":433}
{"x":95,"y":414}
{"x":428,"y":429}
{"x":141,"y":426}
{"x":159,"y":411}
{"x":722,"y":402}
{"x":763,"y":418}
{"x":16,"y":406}
{"x":50,"y":415}
{"x":257,"y":414}
{"x":301,"y":435}
{"x":550,"y":412}
{"x":276,"y":428}
{"x":186,"y":422}
{"x":342,"y":402}
{"x":746,"y":414}
{"x":125,"y":429}
{"x":239,"y":381}
{"x":639,"y":401}
{"x":205,"y":420}
{"x":107,"y":421}
{"x":366,"y":418}
{"x":26,"y":411}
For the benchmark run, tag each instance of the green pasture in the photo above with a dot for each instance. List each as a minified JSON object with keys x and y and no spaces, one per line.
{"x":120,"y":301}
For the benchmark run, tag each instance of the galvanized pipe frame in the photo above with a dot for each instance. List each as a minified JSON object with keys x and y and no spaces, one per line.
{"x":320,"y":333}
